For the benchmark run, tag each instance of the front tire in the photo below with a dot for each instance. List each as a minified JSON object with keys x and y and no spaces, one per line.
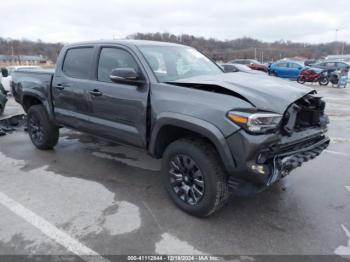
{"x":43,"y":133}
{"x":194,"y":177}
{"x":300,"y":80}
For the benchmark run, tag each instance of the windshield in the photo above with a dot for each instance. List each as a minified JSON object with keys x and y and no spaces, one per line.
{"x":170,"y":63}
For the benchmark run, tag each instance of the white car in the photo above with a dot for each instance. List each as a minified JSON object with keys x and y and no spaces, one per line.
{"x":5,"y":81}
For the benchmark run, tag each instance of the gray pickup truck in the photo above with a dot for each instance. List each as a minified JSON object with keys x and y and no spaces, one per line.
{"x":217,"y":133}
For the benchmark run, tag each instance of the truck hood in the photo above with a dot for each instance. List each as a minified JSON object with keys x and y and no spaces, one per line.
{"x":264,"y":92}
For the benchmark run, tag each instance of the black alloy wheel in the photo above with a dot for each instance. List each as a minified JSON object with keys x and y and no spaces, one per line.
{"x":36,"y":131}
{"x":186,"y":179}
{"x":43,"y":133}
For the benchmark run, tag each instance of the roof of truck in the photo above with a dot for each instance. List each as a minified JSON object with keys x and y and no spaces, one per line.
{"x":127,"y":42}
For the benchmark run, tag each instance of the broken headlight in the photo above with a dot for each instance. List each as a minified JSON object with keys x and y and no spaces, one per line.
{"x":256,"y":123}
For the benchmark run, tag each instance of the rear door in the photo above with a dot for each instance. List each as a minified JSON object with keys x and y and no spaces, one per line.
{"x":119,"y":110}
{"x":71,"y":83}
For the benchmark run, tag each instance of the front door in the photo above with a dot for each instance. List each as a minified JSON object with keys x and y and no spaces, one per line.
{"x":119,"y":110}
{"x":282,"y":69}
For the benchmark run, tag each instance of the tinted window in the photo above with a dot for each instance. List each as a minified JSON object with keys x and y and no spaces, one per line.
{"x":230,"y":68}
{"x":330,"y":64}
{"x":342,"y":65}
{"x":294,"y":65}
{"x":112,"y":58}
{"x":282,"y":65}
{"x":239,"y":62}
{"x":77,"y":62}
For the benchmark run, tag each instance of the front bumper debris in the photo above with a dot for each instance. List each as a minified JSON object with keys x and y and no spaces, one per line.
{"x":285,"y":162}
{"x":271,"y":163}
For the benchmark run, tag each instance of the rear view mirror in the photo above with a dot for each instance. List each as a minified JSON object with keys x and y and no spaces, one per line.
{"x":4,"y":72}
{"x":126,"y":76}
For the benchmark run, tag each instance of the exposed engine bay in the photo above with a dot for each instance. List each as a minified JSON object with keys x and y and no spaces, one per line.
{"x":305,"y":113}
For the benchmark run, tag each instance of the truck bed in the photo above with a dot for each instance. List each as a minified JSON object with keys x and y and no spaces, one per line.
{"x":38,"y":79}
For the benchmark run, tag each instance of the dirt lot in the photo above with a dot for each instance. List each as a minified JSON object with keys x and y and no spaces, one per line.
{"x":91,"y":197}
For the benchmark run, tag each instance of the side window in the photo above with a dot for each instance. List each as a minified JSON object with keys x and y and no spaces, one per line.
{"x":112,"y":58}
{"x":293,"y":65}
{"x":77,"y":62}
{"x":330,"y":64}
{"x":282,"y":65}
{"x":230,"y":68}
{"x":341,"y":65}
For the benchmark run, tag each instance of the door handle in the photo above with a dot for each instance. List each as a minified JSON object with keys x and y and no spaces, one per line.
{"x":96,"y":92}
{"x":59,"y":87}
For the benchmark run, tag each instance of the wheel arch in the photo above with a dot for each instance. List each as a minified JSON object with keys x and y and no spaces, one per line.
{"x":33,"y":97}
{"x":172,"y":126}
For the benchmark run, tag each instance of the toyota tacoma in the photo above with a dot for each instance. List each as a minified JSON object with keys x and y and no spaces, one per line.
{"x":217,"y":133}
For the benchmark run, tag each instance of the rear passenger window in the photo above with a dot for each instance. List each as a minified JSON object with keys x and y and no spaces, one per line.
{"x":77,"y":62}
{"x":113,"y":58}
{"x":293,"y":65}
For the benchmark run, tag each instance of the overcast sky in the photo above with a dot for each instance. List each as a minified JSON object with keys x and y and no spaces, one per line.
{"x":79,"y":20}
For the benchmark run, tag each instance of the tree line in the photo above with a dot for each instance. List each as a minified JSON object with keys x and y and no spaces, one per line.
{"x":26,"y":47}
{"x":246,"y":47}
{"x":222,"y":50}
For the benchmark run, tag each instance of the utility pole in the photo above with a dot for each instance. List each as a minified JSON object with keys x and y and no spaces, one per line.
{"x":255,"y":53}
{"x":336,"y":41}
{"x":12,"y":54}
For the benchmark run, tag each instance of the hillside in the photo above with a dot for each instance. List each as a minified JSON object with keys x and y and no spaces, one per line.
{"x":217,"y":49}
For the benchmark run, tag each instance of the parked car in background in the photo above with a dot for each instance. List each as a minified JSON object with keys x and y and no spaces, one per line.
{"x":253,"y":64}
{"x":340,"y":58}
{"x":286,"y":69}
{"x":229,"y":68}
{"x":332,"y":65}
{"x":311,"y":62}
{"x":6,"y":81}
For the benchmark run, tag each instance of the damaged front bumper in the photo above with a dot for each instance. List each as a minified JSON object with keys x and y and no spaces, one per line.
{"x":263,"y":160}
{"x":284,"y":162}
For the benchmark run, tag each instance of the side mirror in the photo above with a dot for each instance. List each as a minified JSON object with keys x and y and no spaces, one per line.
{"x":126,"y":76}
{"x":4,"y":72}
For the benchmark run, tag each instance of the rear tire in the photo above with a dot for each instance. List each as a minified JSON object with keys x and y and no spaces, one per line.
{"x":323,"y":82}
{"x":194,"y":177}
{"x":43,"y":133}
